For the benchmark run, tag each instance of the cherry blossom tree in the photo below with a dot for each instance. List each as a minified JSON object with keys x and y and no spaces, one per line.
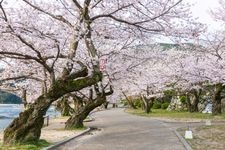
{"x":50,"y":44}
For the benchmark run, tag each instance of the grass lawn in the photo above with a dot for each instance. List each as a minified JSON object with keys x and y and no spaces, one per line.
{"x":41,"y":144}
{"x":207,"y":137}
{"x":177,"y":115}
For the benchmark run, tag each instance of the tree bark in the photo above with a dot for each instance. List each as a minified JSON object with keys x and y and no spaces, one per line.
{"x":130,"y":102}
{"x":76,"y":120}
{"x":24,"y":97}
{"x":193,"y":105}
{"x":106,"y":105}
{"x":148,"y":103}
{"x":27,"y":127}
{"x":64,"y":107}
{"x":216,"y":104}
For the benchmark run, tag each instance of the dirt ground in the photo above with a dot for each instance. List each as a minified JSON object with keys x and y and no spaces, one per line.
{"x":55,"y":131}
{"x":207,"y":137}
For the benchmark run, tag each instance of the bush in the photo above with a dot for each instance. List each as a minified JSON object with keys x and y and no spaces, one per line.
{"x":137,"y":103}
{"x":156,"y":105}
{"x":124,"y":102}
{"x":183,"y":99}
{"x":165,"y":105}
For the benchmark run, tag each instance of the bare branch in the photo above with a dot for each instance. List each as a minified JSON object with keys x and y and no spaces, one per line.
{"x":135,"y":24}
{"x":18,"y":55}
{"x":59,"y":18}
{"x":21,"y":77}
{"x":77,"y":4}
{"x":99,"y":1}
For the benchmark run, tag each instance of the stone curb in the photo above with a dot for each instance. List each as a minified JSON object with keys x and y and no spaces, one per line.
{"x":90,"y":120}
{"x":182,"y":140}
{"x":52,"y":147}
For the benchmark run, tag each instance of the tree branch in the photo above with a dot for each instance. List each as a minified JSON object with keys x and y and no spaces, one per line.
{"x":21,"y":77}
{"x":59,"y":18}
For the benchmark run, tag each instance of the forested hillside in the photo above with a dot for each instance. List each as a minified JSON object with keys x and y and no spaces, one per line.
{"x":8,"y":98}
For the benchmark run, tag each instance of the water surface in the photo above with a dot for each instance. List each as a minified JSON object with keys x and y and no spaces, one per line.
{"x":10,"y":111}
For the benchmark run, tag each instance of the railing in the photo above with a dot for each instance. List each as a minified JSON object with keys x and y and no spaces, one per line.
{"x":46,"y":117}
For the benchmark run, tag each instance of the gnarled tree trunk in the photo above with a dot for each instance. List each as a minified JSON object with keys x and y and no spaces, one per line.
{"x":27,"y":127}
{"x":76,"y":120}
{"x":64,"y":107}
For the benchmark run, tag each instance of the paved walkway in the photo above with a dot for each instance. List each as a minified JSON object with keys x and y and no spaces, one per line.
{"x":122,"y":131}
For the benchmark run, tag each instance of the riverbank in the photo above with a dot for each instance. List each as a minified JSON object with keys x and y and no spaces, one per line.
{"x":54,"y":132}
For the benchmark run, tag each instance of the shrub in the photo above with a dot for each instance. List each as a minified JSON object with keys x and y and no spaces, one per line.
{"x":165,"y":105}
{"x":156,"y":105}
{"x":137,"y":103}
{"x":124,"y":102}
{"x":183,"y":99}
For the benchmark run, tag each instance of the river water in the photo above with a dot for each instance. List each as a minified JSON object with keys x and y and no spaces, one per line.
{"x":10,"y":111}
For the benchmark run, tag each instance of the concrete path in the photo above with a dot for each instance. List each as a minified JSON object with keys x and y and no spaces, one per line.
{"x":122,"y":131}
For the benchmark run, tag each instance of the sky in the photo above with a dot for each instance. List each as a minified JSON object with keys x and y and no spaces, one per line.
{"x":202,"y":9}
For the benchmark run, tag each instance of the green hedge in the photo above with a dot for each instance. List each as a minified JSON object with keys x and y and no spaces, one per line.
{"x":183,"y":99}
{"x":137,"y":103}
{"x":165,"y":105}
{"x":156,"y":105}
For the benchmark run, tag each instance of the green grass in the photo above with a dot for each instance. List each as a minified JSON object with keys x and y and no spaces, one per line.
{"x":38,"y":146}
{"x":174,"y":114}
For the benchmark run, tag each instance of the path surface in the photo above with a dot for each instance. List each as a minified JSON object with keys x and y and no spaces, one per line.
{"x":122,"y":131}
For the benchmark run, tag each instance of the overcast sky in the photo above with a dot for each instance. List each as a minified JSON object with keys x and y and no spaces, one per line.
{"x":202,"y":8}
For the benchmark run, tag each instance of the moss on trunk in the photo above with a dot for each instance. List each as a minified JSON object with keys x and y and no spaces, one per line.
{"x":76,"y":120}
{"x":27,"y":127}
{"x":64,"y":107}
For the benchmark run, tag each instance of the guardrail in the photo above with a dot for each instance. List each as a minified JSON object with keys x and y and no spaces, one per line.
{"x":47,"y":118}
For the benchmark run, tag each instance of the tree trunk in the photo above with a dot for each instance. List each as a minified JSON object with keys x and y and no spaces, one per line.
{"x":148,"y":103}
{"x":76,"y":120}
{"x":24,"y":97}
{"x":216,"y":104}
{"x":193,"y":105}
{"x":130,"y":102}
{"x":114,"y":105}
{"x":106,"y":105}
{"x":27,"y":127}
{"x":197,"y":95}
{"x":188,"y":101}
{"x":64,"y":107}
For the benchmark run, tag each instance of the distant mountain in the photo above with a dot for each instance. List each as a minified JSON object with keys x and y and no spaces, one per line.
{"x":166,"y":46}
{"x":8,"y":98}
